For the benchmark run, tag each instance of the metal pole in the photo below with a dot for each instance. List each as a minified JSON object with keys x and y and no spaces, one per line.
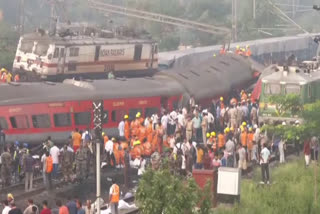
{"x":293,"y":8}
{"x":98,"y":174}
{"x":254,"y":9}
{"x":21,"y":24}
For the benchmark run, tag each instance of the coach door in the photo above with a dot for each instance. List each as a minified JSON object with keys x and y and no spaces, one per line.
{"x":61,"y":60}
{"x":137,"y":52}
{"x":97,"y":53}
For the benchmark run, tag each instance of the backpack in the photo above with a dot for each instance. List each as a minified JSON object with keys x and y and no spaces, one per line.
{"x":49,"y":164}
{"x":87,"y":137}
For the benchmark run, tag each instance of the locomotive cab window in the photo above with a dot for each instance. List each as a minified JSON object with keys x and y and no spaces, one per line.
{"x":133,"y":112}
{"x":272,"y":89}
{"x":41,"y":49}
{"x":82,"y":118}
{"x":41,"y":121}
{"x":150,"y":111}
{"x":19,"y":122}
{"x":62,"y":119}
{"x":3,"y":123}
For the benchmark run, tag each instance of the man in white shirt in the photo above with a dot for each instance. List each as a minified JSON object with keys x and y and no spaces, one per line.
{"x":164,"y":122}
{"x":109,"y":151}
{"x":172,"y":122}
{"x":55,"y":152}
{"x":121,"y":129}
{"x":264,"y":161}
{"x":6,"y":208}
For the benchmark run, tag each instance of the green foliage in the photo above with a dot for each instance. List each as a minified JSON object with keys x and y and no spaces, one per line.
{"x":291,"y":192}
{"x":161,"y":192}
{"x":8,"y":44}
{"x":286,"y":104}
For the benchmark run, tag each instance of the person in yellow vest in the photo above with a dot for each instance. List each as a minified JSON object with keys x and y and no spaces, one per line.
{"x":114,"y":197}
{"x":9,"y":77}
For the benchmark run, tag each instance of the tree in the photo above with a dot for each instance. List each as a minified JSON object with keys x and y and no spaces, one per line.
{"x":287,"y":104}
{"x":161,"y":192}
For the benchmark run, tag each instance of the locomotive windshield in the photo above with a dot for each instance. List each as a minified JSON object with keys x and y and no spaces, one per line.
{"x":272,"y":89}
{"x":41,"y":49}
{"x":292,"y":89}
{"x":26,"y":45}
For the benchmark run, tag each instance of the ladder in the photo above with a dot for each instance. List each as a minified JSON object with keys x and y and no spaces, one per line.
{"x":156,"y":17}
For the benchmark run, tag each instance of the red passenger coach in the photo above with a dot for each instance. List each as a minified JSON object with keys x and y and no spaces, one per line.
{"x":30,"y":112}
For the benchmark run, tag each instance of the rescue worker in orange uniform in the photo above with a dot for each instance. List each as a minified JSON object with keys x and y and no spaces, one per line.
{"x":76,"y":140}
{"x":222,"y":50}
{"x":248,"y":51}
{"x":17,"y":78}
{"x":147,"y":148}
{"x":244,"y":96}
{"x":114,"y":197}
{"x":136,"y":152}
{"x":214,"y":142}
{"x":142,"y":132}
{"x":250,"y":143}
{"x":238,"y":51}
{"x":116,"y":153}
{"x":221,"y":103}
{"x":244,"y":136}
{"x":126,"y":127}
{"x":221,"y":140}
{"x":150,"y":132}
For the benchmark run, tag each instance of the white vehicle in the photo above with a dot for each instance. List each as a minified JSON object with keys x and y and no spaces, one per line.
{"x":40,"y":56}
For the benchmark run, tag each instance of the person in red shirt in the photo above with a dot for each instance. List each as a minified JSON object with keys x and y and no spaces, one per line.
{"x":307,"y":151}
{"x":62,"y":208}
{"x":45,"y":209}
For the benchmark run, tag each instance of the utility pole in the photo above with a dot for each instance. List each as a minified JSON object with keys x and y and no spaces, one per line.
{"x":234,"y":20}
{"x":293,"y":8}
{"x":21,"y":17}
{"x":97,"y":122}
{"x":254,"y":9}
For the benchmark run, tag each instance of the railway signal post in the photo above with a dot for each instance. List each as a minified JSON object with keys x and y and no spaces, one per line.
{"x":97,"y":122}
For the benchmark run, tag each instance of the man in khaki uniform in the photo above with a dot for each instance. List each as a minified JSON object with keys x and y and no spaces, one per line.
{"x":189,"y":127}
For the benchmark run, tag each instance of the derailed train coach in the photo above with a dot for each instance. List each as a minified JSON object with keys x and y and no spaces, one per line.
{"x":29,"y":112}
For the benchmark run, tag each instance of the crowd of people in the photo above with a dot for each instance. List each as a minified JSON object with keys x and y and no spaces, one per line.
{"x":71,"y":207}
{"x":226,"y":134}
{"x":7,"y":77}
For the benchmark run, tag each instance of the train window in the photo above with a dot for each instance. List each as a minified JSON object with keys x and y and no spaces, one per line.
{"x":150,"y":111}
{"x":74,"y":52}
{"x":137,"y":52}
{"x":292,"y":89}
{"x":62,"y":119}
{"x":41,"y":49}
{"x":19,"y":122}
{"x":26,"y":46}
{"x":82,"y":118}
{"x":56,"y":53}
{"x":117,"y":115}
{"x":105,"y":117}
{"x":133,"y":112}
{"x":3,"y":123}
{"x":272,"y":89}
{"x":41,"y":121}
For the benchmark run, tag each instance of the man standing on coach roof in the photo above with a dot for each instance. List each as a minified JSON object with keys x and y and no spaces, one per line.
{"x":114,"y":197}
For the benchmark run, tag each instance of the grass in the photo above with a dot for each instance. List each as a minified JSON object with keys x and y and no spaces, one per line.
{"x":291,"y":192}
